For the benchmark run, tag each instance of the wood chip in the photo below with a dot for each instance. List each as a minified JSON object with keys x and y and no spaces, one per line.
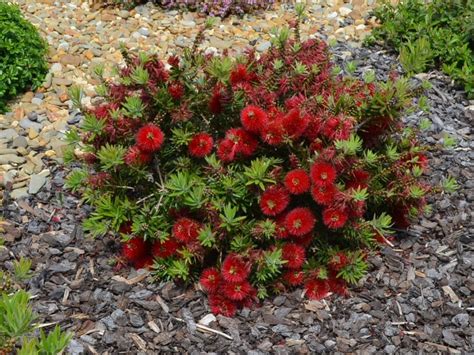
{"x":162,"y":304}
{"x":420,"y":274}
{"x":153,"y":326}
{"x":441,"y":347}
{"x":449,"y":291}
{"x":207,"y":319}
{"x":133,"y":280}
{"x":139,"y":341}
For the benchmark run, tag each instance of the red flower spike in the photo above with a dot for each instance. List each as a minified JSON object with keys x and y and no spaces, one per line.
{"x":294,"y":277}
{"x":337,"y":286}
{"x":323,"y":174}
{"x":144,"y":262}
{"x":227,"y":150}
{"x":281,"y":231}
{"x":186,"y":229}
{"x":134,"y":249}
{"x":294,"y":255}
{"x":297,"y":182}
{"x":316,"y":289}
{"x":176,"y":90}
{"x":221,"y":305}
{"x":294,"y":123}
{"x":165,"y":249}
{"x":300,"y":221}
{"x":274,"y":200}
{"x":334,"y":218}
{"x":135,"y":156}
{"x":324,"y":195}
{"x":237,"y":291}
{"x":210,"y":280}
{"x":338,"y":261}
{"x":149,"y":138}
{"x":239,"y":75}
{"x":200,"y":145}
{"x":273,"y":133}
{"x":253,"y":118}
{"x":235,"y":269}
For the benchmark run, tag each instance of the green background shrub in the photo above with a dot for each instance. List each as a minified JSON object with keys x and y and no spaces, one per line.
{"x":22,"y":54}
{"x":439,"y":34}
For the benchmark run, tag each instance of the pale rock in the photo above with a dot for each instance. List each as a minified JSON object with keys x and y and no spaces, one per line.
{"x":36,"y":183}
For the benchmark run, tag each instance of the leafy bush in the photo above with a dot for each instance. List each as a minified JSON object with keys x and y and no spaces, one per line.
{"x":17,"y":317}
{"x":437,"y":34}
{"x":253,"y":175}
{"x":22,"y":54}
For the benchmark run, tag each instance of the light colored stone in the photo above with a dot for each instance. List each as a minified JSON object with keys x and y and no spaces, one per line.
{"x":36,"y":183}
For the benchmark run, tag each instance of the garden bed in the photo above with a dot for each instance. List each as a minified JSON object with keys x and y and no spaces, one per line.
{"x":416,"y":295}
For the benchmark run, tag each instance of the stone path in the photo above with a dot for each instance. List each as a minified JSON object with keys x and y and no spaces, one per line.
{"x":81,"y":39}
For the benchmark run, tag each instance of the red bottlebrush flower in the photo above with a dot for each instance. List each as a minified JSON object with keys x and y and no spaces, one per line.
{"x":215,"y":103}
{"x":338,"y":286}
{"x":294,"y":123}
{"x":244,"y":142}
{"x":253,"y":118}
{"x":323,"y":174}
{"x":294,"y":102}
{"x":273,"y":133}
{"x":149,"y":138}
{"x":324,"y":195}
{"x":248,"y":145}
{"x":334,"y":218}
{"x":358,"y":180}
{"x":176,"y":90}
{"x":134,"y":249}
{"x":89,"y":158}
{"x":135,"y":156}
{"x":281,"y":232}
{"x":221,"y":305}
{"x":173,"y":61}
{"x":294,"y":277}
{"x":143,"y":262}
{"x":99,"y":180}
{"x":200,"y":145}
{"x":316,"y":289}
{"x":186,"y":229}
{"x":164,"y":249}
{"x":210,"y":279}
{"x":294,"y":255}
{"x":239,"y":74}
{"x":300,"y":221}
{"x":338,"y":261}
{"x":235,"y":269}
{"x":237,"y":291}
{"x":422,"y":161}
{"x":297,"y":181}
{"x":227,"y":150}
{"x":102,"y":111}
{"x":274,"y":200}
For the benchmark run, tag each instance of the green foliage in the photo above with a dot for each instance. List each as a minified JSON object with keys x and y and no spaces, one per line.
{"x":21,"y":269}
{"x":22,"y":54}
{"x":17,"y":318}
{"x":431,"y":34}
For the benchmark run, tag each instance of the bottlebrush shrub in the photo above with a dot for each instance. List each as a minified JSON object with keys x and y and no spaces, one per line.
{"x":252,"y":176}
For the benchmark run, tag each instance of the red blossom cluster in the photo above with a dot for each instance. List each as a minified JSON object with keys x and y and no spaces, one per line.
{"x":229,"y":289}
